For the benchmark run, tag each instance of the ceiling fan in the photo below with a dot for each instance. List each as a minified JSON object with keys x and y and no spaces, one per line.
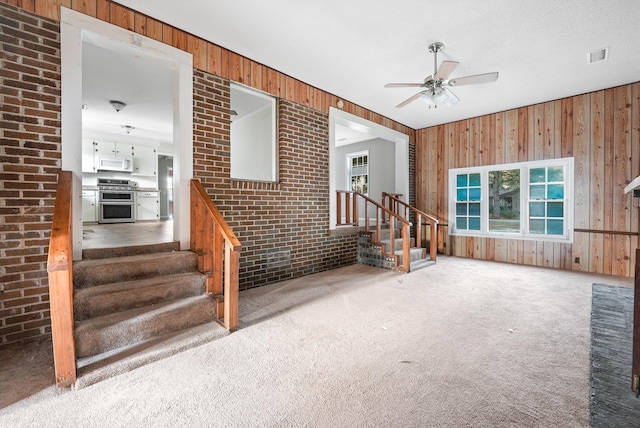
{"x":436,"y":89}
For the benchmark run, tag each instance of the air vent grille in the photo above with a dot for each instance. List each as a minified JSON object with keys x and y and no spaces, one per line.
{"x":598,"y":55}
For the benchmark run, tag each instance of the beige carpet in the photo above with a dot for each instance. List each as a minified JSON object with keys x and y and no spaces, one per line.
{"x":462,"y":343}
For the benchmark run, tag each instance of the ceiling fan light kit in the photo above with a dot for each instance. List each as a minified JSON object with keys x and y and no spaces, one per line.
{"x":436,"y":91}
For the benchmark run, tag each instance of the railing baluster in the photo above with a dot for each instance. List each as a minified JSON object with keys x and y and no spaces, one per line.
{"x":231,"y":279}
{"x":392,"y":235}
{"x":406,"y":255}
{"x":356,"y":217}
{"x":216,"y":277}
{"x":433,"y":240}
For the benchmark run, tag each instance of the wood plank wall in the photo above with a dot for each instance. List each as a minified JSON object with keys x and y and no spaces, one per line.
{"x":601,"y":130}
{"x":210,"y":57}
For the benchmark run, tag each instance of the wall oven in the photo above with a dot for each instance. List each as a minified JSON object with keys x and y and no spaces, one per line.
{"x":116,"y":201}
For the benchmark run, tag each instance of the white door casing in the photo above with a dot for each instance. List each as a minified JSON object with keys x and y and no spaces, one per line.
{"x":75,"y":26}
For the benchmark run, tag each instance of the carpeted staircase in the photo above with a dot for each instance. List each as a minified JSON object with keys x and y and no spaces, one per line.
{"x":128,"y":302}
{"x":374,"y":252}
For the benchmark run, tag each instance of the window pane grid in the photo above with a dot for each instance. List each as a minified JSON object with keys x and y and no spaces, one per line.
{"x":468,"y":195}
{"x":359,"y":173}
{"x":546,"y":200}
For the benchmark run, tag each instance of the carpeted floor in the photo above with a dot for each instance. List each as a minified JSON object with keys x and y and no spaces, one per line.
{"x":462,"y":343}
{"x":613,"y":404}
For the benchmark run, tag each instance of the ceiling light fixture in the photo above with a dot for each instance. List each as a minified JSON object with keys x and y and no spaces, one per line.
{"x":117,"y":105}
{"x":439,"y":95}
{"x":128,"y":128}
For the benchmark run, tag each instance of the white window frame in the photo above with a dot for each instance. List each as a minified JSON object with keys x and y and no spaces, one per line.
{"x":349,"y":157}
{"x":524,"y":167}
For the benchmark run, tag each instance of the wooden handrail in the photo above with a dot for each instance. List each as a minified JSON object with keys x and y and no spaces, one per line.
{"x":393,"y":204}
{"x":381,"y":214}
{"x":60,"y":270}
{"x":218,"y":251}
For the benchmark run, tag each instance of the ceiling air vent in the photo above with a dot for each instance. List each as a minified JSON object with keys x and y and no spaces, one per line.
{"x":599,"y":55}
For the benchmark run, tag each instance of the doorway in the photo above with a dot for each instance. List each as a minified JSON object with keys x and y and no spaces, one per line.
{"x":165,"y":186}
{"x":78,"y":29}
{"x":387,"y":157}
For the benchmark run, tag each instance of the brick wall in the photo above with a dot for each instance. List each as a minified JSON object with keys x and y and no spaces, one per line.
{"x":29,"y":162}
{"x":283,"y":227}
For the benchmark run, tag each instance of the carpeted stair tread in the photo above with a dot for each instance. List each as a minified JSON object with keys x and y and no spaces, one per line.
{"x":421,"y":264}
{"x":101,"y":334}
{"x":105,"y":299}
{"x":397,"y":243}
{"x":105,"y":253}
{"x":414,"y":254}
{"x":99,"y":367}
{"x":88,"y":273}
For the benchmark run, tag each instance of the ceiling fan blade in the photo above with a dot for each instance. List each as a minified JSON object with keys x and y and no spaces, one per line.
{"x":445,"y":70}
{"x":410,"y":100}
{"x":403,"y":85}
{"x":477,"y":78}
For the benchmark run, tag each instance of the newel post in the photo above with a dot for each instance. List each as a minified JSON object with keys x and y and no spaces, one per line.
{"x":634,"y":187}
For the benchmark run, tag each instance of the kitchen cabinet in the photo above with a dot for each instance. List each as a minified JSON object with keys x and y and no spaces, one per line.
{"x":147,"y":205}
{"x":145,"y":160}
{"x":89,"y":206}
{"x":88,"y":156}
{"x":113,"y":149}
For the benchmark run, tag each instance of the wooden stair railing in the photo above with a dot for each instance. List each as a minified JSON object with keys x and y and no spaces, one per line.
{"x":395,"y":205}
{"x":351,"y":218}
{"x":60,"y":270}
{"x":218,"y":252}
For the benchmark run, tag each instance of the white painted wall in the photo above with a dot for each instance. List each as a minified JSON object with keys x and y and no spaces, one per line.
{"x":382,"y":162}
{"x":252,"y":151}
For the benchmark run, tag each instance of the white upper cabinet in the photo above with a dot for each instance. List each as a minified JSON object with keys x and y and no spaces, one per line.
{"x":110,"y":148}
{"x":88,"y":156}
{"x":145,"y":160}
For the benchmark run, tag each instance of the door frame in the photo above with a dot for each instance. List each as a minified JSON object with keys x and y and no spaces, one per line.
{"x":75,"y":26}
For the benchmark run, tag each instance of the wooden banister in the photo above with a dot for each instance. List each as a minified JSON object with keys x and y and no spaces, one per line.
{"x":60,"y":270}
{"x":381,"y":214}
{"x":218,"y":251}
{"x":395,"y":205}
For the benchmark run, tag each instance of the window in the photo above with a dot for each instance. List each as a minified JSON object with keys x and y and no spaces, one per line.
{"x":504,"y":214}
{"x":358,"y":172}
{"x":253,"y":135}
{"x":528,"y":200}
{"x":468,"y":201}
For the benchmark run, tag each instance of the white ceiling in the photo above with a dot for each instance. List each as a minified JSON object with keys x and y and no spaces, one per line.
{"x":144,"y":85}
{"x":353,"y":48}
